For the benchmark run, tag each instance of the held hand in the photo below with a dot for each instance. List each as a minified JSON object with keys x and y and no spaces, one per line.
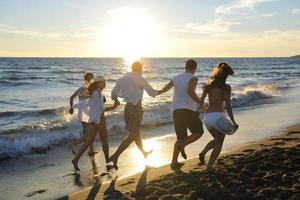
{"x":159,"y":92}
{"x":236,"y":125}
{"x":71,"y":111}
{"x":203,"y":109}
{"x":116,"y":103}
{"x":154,"y":95}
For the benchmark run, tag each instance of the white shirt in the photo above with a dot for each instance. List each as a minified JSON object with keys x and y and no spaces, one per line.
{"x":82,"y":92}
{"x":83,"y":104}
{"x":131,"y":88}
{"x":181,"y":98}
{"x":96,"y":107}
{"x":83,"y":107}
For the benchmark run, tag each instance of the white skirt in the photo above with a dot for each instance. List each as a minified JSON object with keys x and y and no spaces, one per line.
{"x":220,"y":122}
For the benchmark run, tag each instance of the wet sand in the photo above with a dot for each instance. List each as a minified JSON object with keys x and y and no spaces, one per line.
{"x":267,"y":169}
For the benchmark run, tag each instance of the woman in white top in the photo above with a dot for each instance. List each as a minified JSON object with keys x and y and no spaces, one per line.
{"x":97,"y":122}
{"x":218,"y":92}
{"x":83,"y":97}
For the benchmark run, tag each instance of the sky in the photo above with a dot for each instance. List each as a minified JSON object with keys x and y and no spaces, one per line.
{"x":156,"y":28}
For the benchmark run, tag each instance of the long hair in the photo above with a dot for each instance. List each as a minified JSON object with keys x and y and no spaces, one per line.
{"x":219,"y":76}
{"x":91,"y":88}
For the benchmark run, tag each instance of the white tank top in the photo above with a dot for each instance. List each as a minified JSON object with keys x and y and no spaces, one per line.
{"x":181,"y":98}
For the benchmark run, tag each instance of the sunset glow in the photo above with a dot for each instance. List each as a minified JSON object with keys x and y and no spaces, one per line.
{"x":131,"y":34}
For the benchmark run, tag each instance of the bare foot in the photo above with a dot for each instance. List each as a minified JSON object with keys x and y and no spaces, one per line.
{"x":181,"y":149}
{"x":109,"y":168}
{"x":115,"y":161}
{"x":91,"y":153}
{"x":147,"y":153}
{"x":71,"y":146}
{"x":201,"y":158}
{"x":176,"y":166}
{"x":75,"y":165}
{"x":210,"y":169}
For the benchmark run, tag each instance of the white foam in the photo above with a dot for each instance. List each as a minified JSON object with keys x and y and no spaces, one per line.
{"x":53,"y":133}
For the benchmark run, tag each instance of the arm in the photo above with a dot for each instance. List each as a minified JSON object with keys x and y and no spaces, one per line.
{"x":71,"y":110}
{"x":116,"y":91}
{"x":228,"y":104}
{"x":202,"y":98}
{"x":166,"y":88}
{"x":148,"y":88}
{"x":116,"y":104}
{"x":192,"y":88}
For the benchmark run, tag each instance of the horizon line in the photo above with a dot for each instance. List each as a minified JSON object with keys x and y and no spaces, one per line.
{"x":150,"y":57}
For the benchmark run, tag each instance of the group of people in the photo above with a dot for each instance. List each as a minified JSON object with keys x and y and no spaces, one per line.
{"x":186,"y":108}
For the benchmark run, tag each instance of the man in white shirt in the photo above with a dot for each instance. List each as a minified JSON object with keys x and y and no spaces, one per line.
{"x":131,"y":88}
{"x":185,"y":117}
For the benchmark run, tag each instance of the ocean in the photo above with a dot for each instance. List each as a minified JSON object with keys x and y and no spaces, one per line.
{"x":35,"y":125}
{"x":35,"y":93}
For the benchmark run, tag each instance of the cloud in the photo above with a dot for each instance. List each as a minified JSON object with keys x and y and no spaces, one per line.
{"x":296,"y":11}
{"x":83,"y":32}
{"x":214,"y":28}
{"x":10,"y":29}
{"x":127,"y":9}
{"x":264,"y":15}
{"x":238,"y":4}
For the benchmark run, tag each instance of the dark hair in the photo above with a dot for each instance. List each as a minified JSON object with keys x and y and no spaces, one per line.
{"x":190,"y":65}
{"x":87,"y":74}
{"x":219,"y":76}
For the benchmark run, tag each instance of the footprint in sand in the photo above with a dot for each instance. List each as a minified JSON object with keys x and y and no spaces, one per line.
{"x":289,"y":139}
{"x":279,"y":143}
{"x":275,"y":139}
{"x":248,"y":150}
{"x":29,"y":194}
{"x":237,"y":154}
{"x":293,"y":132}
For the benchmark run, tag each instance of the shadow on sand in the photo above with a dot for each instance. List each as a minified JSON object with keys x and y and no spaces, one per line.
{"x":112,"y":193}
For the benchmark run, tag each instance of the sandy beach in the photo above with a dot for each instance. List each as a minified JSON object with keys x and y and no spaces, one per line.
{"x":267,"y":169}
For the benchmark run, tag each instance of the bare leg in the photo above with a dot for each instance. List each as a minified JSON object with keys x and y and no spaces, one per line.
{"x":124,"y":144}
{"x":92,"y":130}
{"x":91,"y":149}
{"x":175,"y":154}
{"x":104,"y":139}
{"x":82,"y":139}
{"x":210,"y":145}
{"x":219,"y":139}
{"x":72,"y":144}
{"x":190,"y":139}
{"x":139,"y":144}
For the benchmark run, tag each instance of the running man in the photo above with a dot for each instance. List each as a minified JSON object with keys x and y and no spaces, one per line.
{"x":185,"y":117}
{"x":131,"y":88}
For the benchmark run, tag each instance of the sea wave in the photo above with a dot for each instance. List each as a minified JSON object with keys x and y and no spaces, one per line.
{"x":48,"y":133}
{"x":251,"y":93}
{"x":26,"y":113}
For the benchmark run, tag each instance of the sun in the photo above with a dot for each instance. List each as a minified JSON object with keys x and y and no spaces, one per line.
{"x":131,"y":35}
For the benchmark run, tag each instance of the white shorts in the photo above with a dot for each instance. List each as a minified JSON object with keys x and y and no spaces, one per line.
{"x":219,"y":121}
